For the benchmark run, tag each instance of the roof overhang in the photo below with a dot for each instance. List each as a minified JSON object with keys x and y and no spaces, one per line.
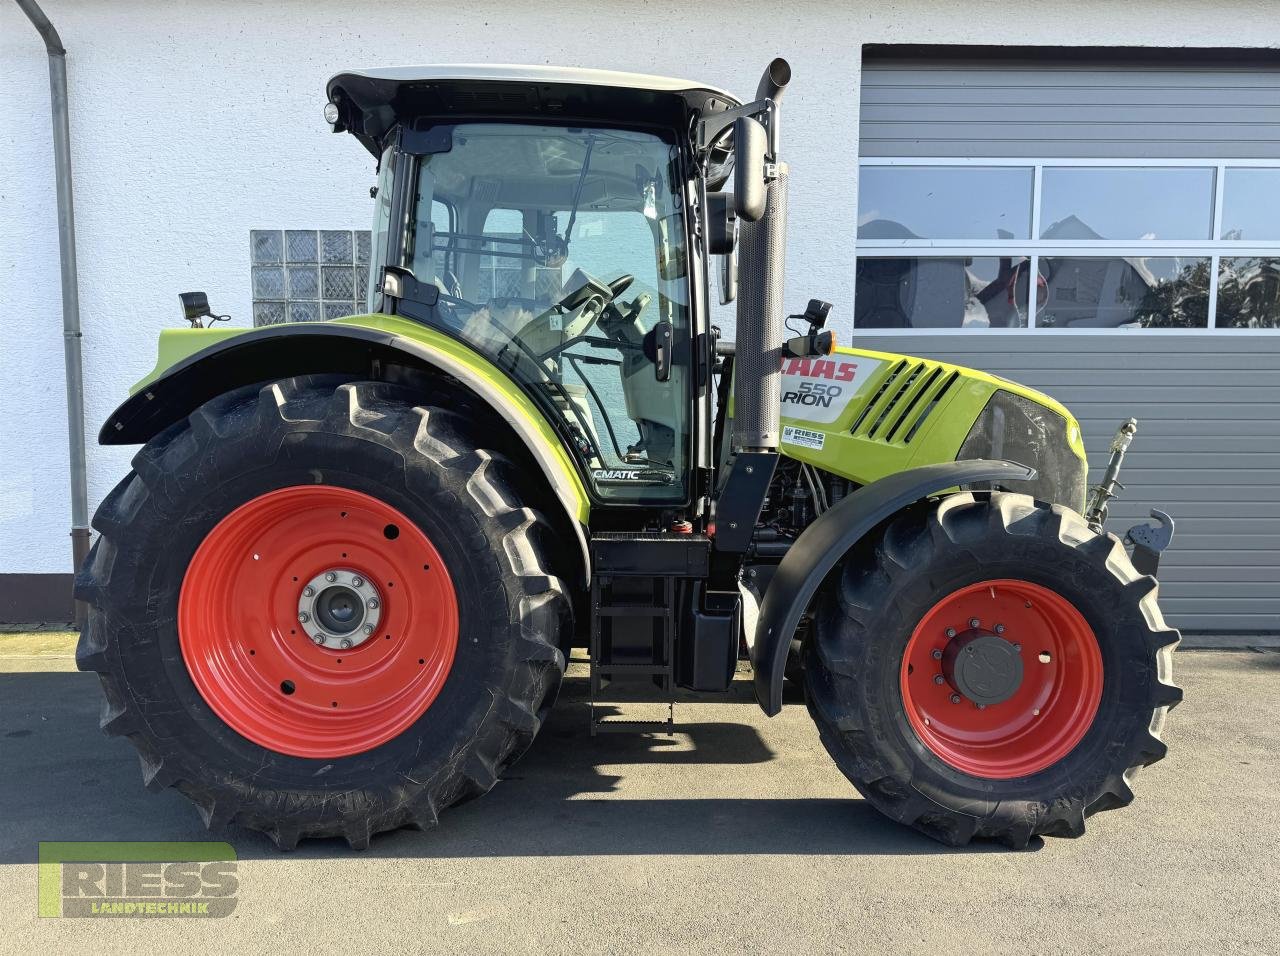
{"x":371,"y":102}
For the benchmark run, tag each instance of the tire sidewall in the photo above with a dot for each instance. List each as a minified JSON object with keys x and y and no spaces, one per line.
{"x":265,"y":459}
{"x":1079,"y":577}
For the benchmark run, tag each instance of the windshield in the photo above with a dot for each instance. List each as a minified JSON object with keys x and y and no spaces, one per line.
{"x":556,"y":251}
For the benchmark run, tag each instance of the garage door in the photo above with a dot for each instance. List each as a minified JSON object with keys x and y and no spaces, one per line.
{"x":1105,"y":227}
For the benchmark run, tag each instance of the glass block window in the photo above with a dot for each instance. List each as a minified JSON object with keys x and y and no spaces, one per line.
{"x":307,"y":275}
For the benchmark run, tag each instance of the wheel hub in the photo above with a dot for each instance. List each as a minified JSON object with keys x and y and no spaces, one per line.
{"x":318,"y":621}
{"x":339,"y":609}
{"x":985,"y":668}
{"x":1001,"y":678}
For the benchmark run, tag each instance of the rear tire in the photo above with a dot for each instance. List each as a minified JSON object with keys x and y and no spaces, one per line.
{"x":500,"y":675}
{"x":871,"y":703}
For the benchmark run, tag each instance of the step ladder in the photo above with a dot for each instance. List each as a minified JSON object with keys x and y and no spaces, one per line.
{"x":635,"y":593}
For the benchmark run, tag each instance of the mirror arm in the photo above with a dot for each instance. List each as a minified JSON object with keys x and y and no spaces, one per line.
{"x":713,"y":128}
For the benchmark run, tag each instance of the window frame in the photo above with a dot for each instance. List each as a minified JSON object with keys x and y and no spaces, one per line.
{"x":1213,"y":248}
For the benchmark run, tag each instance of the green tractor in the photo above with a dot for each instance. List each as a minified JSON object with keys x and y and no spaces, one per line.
{"x":338,"y":590}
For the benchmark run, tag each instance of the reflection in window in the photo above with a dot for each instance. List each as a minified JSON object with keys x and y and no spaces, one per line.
{"x":1248,"y":292}
{"x":502,"y":274}
{"x":933,"y":293}
{"x":1251,"y":204}
{"x":427,"y":255}
{"x":939,"y":202}
{"x":1166,"y":292}
{"x":1120,"y":203}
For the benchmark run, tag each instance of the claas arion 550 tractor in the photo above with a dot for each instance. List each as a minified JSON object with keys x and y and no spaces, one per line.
{"x":337,"y":592}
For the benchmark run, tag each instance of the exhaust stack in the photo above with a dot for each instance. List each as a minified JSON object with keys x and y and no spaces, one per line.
{"x":762,"y":249}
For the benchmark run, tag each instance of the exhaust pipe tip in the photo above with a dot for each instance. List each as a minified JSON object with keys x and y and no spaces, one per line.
{"x":774,"y":82}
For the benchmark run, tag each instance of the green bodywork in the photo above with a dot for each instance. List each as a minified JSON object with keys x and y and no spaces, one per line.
{"x":892,"y":412}
{"x":859,"y":414}
{"x":178,"y":344}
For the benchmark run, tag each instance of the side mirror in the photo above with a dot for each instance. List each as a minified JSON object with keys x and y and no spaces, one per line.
{"x":728,"y":277}
{"x":722,"y":241}
{"x":657,"y":349}
{"x":750,"y":142}
{"x":722,"y":224}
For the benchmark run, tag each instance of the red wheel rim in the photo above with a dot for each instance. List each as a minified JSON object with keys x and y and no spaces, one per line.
{"x":250,"y":657}
{"x":1041,"y":720}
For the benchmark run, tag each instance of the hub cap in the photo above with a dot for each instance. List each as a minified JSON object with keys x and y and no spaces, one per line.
{"x":339,"y":609}
{"x":317,"y":621}
{"x":1002,"y":678}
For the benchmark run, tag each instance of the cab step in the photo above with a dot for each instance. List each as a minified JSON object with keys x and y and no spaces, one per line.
{"x":635,"y":597}
{"x":617,"y":725}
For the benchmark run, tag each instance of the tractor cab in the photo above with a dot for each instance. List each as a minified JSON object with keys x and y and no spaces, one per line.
{"x":543,"y":217}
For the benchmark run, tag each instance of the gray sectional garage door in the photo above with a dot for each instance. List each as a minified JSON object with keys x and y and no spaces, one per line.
{"x":1138,"y":104}
{"x":1174,"y":321}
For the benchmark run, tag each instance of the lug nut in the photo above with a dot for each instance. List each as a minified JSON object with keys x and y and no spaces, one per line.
{"x":368,"y":628}
{"x":938,"y":679}
{"x":319,"y":638}
{"x":346,"y":643}
{"x":955,"y":698}
{"x":331,"y":577}
{"x":973,"y":622}
{"x":373,"y":604}
{"x":1017,"y":647}
{"x":357,"y":582}
{"x":951,"y":632}
{"x":999,"y":628}
{"x":308,"y":591}
{"x":303,"y":617}
{"x":937,"y":654}
{"x":982,"y":707}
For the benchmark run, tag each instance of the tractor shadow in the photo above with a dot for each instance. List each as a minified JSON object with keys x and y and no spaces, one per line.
{"x":62,"y":780}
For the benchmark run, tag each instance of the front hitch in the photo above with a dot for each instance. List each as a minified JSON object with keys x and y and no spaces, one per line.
{"x":1149,"y":541}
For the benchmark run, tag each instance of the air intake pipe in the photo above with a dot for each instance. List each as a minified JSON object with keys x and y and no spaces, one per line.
{"x":762,"y":247}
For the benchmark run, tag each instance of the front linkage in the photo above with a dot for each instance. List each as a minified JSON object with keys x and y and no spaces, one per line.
{"x":1149,"y":541}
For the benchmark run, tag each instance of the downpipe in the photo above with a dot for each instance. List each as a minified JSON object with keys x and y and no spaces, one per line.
{"x":71,"y":335}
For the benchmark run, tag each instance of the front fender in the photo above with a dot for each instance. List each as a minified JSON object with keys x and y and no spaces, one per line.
{"x":354,"y":345}
{"x":821,"y":546}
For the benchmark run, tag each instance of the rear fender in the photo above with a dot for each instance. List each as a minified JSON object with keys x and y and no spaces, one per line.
{"x":347,"y":346}
{"x":828,"y":539}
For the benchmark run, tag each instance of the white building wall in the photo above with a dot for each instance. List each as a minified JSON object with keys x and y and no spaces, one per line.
{"x":192,"y":123}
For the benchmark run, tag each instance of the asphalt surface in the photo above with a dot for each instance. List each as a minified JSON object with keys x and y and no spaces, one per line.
{"x":738,"y":835}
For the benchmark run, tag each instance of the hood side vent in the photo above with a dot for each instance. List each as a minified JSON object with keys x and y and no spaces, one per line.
{"x":930,"y":404}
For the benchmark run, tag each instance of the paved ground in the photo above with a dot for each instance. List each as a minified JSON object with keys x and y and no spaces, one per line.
{"x":738,"y":836}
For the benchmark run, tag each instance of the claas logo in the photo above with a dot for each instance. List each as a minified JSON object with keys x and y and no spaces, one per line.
{"x":816,"y":394}
{"x":820,"y":368}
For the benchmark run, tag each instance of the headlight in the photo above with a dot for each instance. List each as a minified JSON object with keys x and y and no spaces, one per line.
{"x":1017,"y":429}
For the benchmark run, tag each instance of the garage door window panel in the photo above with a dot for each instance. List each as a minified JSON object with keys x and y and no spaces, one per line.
{"x":940,"y":202}
{"x":941,"y":292}
{"x":1084,"y":203}
{"x":1251,"y":205}
{"x":1249,"y":292}
{"x":1150,"y":292}
{"x":1180,"y":244}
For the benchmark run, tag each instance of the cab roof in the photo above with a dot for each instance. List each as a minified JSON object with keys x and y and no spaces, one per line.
{"x":371,"y":102}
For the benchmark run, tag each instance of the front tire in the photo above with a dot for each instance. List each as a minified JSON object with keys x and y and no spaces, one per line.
{"x":990,"y":667}
{"x":409,"y":688}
